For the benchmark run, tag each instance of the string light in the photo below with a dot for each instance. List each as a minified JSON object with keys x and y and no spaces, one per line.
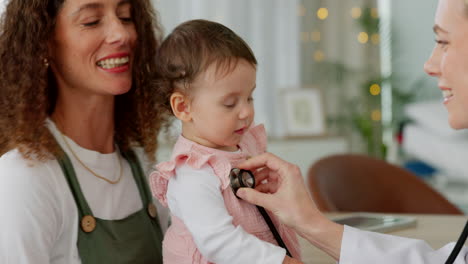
{"x":356,"y":12}
{"x":363,"y":37}
{"x":315,"y":36}
{"x":375,"y":38}
{"x":376,"y":115}
{"x":375,"y":89}
{"x":322,"y":13}
{"x":374,"y":12}
{"x":319,"y":56}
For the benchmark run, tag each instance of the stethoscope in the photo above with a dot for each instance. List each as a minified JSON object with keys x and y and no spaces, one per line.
{"x":458,"y":245}
{"x":244,"y":178}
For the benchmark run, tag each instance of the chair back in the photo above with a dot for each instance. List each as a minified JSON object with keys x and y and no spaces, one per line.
{"x":358,"y":183}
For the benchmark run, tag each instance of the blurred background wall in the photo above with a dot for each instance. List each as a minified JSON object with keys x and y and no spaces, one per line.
{"x":361,"y":62}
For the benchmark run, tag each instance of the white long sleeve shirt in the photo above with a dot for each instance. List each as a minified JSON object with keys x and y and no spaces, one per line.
{"x":362,"y":247}
{"x":194,"y":196}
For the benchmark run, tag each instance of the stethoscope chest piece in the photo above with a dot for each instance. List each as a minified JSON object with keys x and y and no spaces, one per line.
{"x":241,"y":178}
{"x":244,"y":178}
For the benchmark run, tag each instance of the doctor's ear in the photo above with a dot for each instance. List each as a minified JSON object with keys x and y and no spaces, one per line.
{"x":180,"y":104}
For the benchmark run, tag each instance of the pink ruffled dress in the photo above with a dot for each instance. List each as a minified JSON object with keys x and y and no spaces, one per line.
{"x":178,"y":240}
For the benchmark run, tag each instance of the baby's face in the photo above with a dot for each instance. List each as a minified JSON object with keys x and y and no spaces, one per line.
{"x":222,"y":108}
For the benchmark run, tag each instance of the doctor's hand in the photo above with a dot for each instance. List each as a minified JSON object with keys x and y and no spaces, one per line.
{"x":281,"y":190}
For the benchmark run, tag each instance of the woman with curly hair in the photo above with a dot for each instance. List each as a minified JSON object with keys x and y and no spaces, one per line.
{"x":78,"y":94}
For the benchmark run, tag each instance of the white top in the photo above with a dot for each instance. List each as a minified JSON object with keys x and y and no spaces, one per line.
{"x":194,"y":196}
{"x":39,"y":217}
{"x":368,"y":247}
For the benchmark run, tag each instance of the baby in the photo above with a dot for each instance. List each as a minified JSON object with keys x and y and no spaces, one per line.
{"x":210,"y":74}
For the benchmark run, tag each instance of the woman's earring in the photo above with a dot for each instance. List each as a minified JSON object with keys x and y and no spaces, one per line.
{"x":46,"y":62}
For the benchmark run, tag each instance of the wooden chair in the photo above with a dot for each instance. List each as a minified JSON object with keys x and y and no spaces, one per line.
{"x":357,"y":183}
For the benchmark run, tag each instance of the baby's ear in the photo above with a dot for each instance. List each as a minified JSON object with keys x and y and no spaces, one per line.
{"x":180,"y":105}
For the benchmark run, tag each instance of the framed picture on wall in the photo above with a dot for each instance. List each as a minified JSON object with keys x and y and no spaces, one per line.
{"x":303,"y":112}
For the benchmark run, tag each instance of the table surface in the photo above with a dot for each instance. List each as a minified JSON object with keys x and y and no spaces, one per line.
{"x":436,"y":230}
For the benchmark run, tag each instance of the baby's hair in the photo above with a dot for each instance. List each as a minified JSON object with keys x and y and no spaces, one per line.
{"x":192,"y":47}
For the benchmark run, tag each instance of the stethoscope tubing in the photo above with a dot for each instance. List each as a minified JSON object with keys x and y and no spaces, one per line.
{"x":460,"y":242}
{"x":273,"y":229}
{"x":236,"y":183}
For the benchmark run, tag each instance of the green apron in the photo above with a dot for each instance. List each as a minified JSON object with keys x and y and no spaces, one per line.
{"x":135,"y":239}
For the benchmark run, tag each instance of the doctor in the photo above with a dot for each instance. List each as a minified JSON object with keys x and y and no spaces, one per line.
{"x":286,"y":196}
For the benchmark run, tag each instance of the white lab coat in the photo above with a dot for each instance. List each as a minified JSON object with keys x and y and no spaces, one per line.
{"x":368,"y":247}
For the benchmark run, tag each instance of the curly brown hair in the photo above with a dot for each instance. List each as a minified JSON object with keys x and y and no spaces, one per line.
{"x":28,"y":90}
{"x":191,"y":48}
